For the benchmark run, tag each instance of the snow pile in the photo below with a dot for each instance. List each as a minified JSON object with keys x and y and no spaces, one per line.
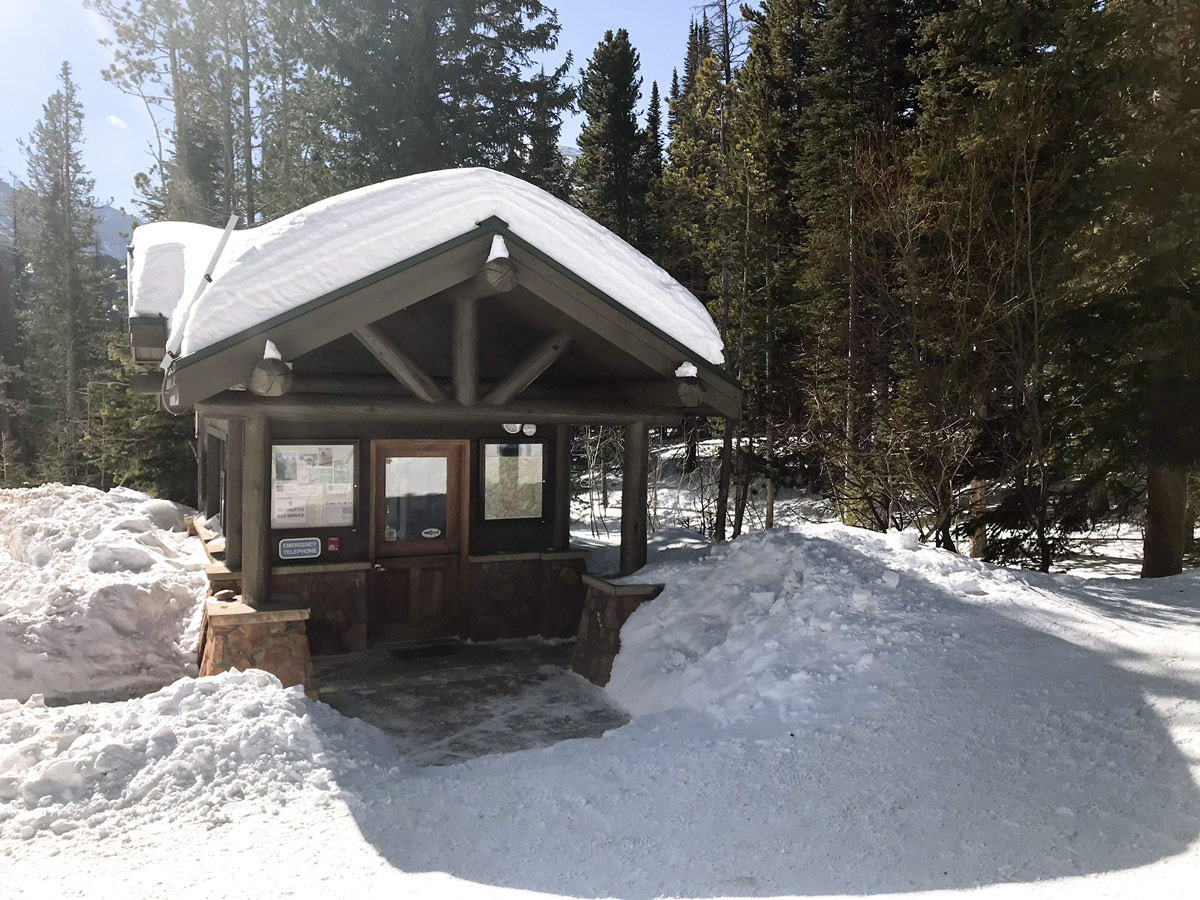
{"x":272,"y":268}
{"x":100,"y":593}
{"x":193,"y":750}
{"x":776,"y":629}
{"x":990,"y":733}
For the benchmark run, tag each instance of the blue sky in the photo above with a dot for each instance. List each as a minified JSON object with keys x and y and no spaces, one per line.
{"x":37,"y":35}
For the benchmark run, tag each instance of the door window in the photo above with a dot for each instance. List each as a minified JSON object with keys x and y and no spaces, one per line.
{"x":415,"y":498}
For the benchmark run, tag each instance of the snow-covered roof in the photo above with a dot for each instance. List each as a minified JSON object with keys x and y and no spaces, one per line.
{"x":272,"y":268}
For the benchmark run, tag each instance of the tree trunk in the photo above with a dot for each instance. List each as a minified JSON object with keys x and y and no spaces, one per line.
{"x":723,"y":483}
{"x":247,"y":120}
{"x":745,"y":474}
{"x":691,"y":457}
{"x":1166,"y":515}
{"x":978,"y":532}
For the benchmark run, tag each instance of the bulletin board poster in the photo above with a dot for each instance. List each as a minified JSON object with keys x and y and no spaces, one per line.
{"x":312,"y":485}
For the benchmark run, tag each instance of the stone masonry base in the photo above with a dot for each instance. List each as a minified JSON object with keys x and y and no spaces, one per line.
{"x":236,"y":636}
{"x":606,"y":607}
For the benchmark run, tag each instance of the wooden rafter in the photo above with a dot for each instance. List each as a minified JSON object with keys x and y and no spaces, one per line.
{"x":524,"y":373}
{"x":466,"y":350}
{"x":403,"y":368}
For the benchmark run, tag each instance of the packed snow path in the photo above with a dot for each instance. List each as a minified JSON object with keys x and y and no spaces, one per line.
{"x":913,"y":721}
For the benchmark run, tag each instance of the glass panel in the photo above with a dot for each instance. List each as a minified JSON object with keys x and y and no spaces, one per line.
{"x":512,"y":481}
{"x":312,"y":485}
{"x":414,"y":493}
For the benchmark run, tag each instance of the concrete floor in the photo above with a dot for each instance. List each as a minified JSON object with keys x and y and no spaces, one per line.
{"x":443,"y":705}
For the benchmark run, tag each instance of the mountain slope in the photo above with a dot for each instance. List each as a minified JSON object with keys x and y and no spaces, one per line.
{"x":112,"y":225}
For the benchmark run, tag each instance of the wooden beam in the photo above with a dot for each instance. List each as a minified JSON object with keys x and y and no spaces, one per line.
{"x":395,"y":361}
{"x":539,"y":359}
{"x":686,"y":393}
{"x":634,"y":474}
{"x":306,"y":328}
{"x":616,"y":326}
{"x":212,"y":477}
{"x":201,"y":462}
{"x":235,"y":454}
{"x":466,"y":350}
{"x":499,"y":270}
{"x":562,"y":487}
{"x":256,"y":513}
{"x":270,"y":377}
{"x":501,"y":274}
{"x":324,"y":408}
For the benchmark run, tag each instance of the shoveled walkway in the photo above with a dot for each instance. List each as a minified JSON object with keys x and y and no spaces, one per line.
{"x":446,"y":704}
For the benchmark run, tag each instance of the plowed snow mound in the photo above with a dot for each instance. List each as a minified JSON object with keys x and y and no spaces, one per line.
{"x":100,"y":593}
{"x":185,"y":752}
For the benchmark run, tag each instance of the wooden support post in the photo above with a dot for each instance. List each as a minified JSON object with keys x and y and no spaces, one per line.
{"x":524,"y":373}
{"x":235,"y":455}
{"x":562,"y":487}
{"x":212,"y":476}
{"x":466,"y":350}
{"x":634,"y":476}
{"x":201,"y":462}
{"x":256,"y":519}
{"x":397,"y":362}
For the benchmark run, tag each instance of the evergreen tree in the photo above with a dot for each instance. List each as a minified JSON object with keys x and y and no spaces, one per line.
{"x":856,"y":84}
{"x":654,"y":139}
{"x":1002,"y":163}
{"x":66,"y":316}
{"x":452,"y":76}
{"x":612,"y":181}
{"x":1142,"y":250}
{"x":546,"y":167}
{"x":699,"y":48}
{"x":131,"y":441}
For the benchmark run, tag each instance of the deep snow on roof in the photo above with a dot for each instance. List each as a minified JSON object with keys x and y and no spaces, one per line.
{"x":272,"y":268}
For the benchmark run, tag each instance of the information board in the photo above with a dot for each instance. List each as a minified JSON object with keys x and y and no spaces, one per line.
{"x":312,"y":485}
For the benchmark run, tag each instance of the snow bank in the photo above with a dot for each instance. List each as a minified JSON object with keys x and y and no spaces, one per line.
{"x":272,"y":268}
{"x":193,"y":750}
{"x":100,"y":593}
{"x":776,"y":629}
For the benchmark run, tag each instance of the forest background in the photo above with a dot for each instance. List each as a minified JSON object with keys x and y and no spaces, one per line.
{"x":953,"y":245}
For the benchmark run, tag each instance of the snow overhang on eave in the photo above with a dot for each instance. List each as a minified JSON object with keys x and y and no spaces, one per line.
{"x":214,"y":368}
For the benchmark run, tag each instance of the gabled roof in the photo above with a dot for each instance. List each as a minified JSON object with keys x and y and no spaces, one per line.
{"x":268,"y":271}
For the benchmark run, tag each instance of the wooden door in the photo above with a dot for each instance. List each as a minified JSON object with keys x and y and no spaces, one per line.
{"x":419,"y":541}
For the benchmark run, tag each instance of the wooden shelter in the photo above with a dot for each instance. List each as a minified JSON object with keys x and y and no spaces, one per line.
{"x":392,"y":455}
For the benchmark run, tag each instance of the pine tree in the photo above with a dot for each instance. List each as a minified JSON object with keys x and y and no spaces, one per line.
{"x":454,"y":78}
{"x":654,"y":139}
{"x":1004,"y":151}
{"x":769,"y":101}
{"x":545,"y":166}
{"x":1143,"y":256}
{"x":131,"y":441}
{"x":612,"y":183}
{"x":857,"y":85}
{"x":66,"y":316}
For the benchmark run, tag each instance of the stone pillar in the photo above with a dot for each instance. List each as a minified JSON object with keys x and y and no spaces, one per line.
{"x":606,"y":607}
{"x":239,"y":637}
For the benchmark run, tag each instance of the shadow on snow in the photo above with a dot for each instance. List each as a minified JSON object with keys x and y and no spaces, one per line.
{"x":1017,"y":758}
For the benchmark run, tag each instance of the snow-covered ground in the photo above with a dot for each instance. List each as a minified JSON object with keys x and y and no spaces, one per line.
{"x":99,"y":592}
{"x":818,"y":712}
